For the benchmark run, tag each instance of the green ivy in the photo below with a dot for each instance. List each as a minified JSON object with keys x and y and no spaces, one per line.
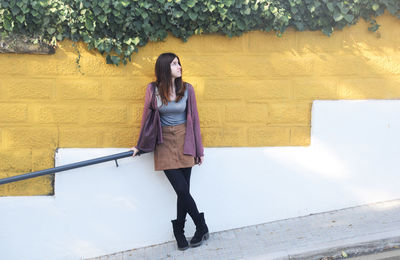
{"x":117,"y":28}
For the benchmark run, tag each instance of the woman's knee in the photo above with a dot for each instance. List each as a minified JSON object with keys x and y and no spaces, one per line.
{"x":182,"y":191}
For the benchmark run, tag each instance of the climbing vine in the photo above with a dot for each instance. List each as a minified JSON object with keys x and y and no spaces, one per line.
{"x":117,"y":28}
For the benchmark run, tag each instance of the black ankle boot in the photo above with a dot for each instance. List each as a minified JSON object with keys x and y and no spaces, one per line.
{"x":179,"y":234}
{"x":201,"y":233}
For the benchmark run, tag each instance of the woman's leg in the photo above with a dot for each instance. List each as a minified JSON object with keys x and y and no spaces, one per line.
{"x":180,"y":181}
{"x":186,"y":173}
{"x":181,"y":210}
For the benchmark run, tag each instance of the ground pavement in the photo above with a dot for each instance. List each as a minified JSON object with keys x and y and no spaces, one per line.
{"x":338,"y":234}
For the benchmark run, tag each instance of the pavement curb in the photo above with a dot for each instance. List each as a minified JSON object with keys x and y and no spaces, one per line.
{"x":333,"y":252}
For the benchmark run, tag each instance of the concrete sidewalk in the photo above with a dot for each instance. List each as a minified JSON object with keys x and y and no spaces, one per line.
{"x":331,"y":235}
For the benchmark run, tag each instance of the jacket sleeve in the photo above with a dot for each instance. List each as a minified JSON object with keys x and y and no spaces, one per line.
{"x":146,"y":111}
{"x":196,"y":124}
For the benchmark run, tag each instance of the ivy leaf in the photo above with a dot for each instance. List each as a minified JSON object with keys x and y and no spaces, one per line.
{"x":144,"y":15}
{"x":97,"y":10}
{"x":107,"y":47}
{"x":211,"y":7}
{"x":118,"y":50}
{"x":51,"y":30}
{"x":337,"y":17}
{"x":184,"y":7}
{"x":129,"y":50}
{"x":198,"y":31}
{"x":43,"y":3}
{"x":374,"y":27}
{"x":89,"y":24}
{"x":21,"y":18}
{"x":25,"y":9}
{"x":192,"y":16}
{"x":4,"y":34}
{"x":20,"y":3}
{"x":113,"y":59}
{"x":100,"y":46}
{"x":330,"y":6}
{"x":178,"y":14}
{"x":247,"y":11}
{"x":102,"y":18}
{"x":240,"y":24}
{"x":35,"y":13}
{"x":375,"y":7}
{"x":228,"y":3}
{"x":344,"y":9}
{"x":191,"y":3}
{"x":136,"y":40}
{"x":8,"y":25}
{"x":53,"y":41}
{"x":125,"y":3}
{"x":116,"y":13}
{"x":107,"y":10}
{"x":300,"y":26}
{"x":349,"y":17}
{"x":15,"y":10}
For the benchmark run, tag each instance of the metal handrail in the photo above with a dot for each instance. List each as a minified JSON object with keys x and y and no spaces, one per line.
{"x":67,"y":167}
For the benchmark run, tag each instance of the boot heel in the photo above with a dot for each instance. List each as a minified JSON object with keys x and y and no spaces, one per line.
{"x":201,"y":233}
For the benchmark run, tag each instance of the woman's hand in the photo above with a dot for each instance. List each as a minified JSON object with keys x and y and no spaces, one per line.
{"x":201,"y":160}
{"x":135,"y":151}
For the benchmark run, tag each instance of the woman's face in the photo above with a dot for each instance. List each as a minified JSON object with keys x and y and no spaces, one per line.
{"x":176,"y":70}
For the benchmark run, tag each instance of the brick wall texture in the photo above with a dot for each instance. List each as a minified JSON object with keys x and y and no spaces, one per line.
{"x":253,"y":90}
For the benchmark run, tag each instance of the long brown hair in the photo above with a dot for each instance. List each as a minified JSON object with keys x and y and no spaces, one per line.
{"x":164,"y":78}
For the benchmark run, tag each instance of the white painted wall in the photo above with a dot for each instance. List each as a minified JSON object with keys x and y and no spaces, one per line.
{"x":353,"y":159}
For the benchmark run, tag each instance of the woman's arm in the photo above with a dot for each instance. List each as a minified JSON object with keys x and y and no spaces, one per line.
{"x":146,"y":111}
{"x":196,"y":127}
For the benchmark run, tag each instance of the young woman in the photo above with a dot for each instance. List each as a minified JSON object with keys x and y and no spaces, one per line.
{"x":178,"y":142}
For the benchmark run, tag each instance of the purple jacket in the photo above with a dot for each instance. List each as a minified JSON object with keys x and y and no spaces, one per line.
{"x":193,"y":145}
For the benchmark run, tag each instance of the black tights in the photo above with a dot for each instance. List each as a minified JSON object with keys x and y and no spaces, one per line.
{"x":180,"y":181}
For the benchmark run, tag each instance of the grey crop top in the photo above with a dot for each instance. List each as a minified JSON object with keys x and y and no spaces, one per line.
{"x":174,"y":113}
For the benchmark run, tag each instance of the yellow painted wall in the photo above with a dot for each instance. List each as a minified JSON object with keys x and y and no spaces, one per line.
{"x":253,"y":90}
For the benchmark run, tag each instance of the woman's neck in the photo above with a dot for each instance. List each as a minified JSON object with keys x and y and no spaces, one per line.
{"x":172,"y":95}
{"x":173,"y":85}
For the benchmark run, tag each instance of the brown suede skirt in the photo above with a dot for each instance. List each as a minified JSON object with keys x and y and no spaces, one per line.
{"x":169,"y":154}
